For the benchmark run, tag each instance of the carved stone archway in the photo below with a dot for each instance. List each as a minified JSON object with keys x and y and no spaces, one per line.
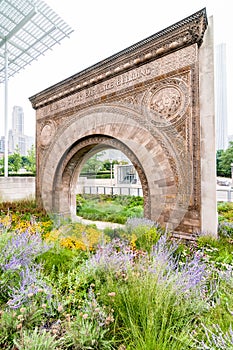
{"x":148,"y":102}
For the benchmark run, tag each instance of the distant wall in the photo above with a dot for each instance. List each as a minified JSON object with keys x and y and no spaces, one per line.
{"x":15,"y":188}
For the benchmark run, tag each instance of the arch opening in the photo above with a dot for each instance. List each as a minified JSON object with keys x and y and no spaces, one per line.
{"x":69,"y":171}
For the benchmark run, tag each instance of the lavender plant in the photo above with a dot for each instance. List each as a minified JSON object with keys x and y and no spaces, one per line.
{"x":216,"y":339}
{"x":31,"y":284}
{"x":91,"y":325}
{"x":114,"y":257}
{"x":225,"y":229}
{"x":37,"y":339}
{"x":158,"y":302}
{"x":20,"y":275}
{"x":21,"y":250}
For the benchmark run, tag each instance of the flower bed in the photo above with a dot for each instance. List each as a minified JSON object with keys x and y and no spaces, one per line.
{"x":71,"y":286}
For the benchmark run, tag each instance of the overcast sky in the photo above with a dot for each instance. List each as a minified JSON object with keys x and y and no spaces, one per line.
{"x":101,"y":29}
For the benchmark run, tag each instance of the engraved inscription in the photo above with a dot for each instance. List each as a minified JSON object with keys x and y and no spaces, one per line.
{"x":164,"y":65}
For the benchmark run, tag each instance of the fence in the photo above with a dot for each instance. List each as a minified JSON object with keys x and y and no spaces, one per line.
{"x":112,"y":190}
{"x":223,"y":194}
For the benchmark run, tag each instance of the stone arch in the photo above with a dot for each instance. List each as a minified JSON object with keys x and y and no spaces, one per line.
{"x":114,"y":126}
{"x":155,"y":102}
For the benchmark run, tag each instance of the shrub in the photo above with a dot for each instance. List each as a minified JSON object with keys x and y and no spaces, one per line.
{"x":37,"y":339}
{"x":225,"y":229}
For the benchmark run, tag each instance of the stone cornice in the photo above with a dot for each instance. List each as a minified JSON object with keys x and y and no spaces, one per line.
{"x":181,"y":34}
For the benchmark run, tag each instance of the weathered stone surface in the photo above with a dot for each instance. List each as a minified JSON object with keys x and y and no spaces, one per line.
{"x":143,"y":101}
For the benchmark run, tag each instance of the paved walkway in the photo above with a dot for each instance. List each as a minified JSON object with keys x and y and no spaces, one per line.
{"x":101,"y":225}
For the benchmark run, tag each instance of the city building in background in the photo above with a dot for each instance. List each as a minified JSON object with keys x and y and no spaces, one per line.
{"x":16,"y":137}
{"x":2,"y":146}
{"x":17,"y":120}
{"x":221,"y":97}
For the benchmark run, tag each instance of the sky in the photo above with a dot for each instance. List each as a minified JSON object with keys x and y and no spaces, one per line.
{"x":101,"y":29}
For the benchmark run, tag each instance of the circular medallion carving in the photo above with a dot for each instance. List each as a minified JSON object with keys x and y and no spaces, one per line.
{"x":47,"y":133}
{"x":167,"y":102}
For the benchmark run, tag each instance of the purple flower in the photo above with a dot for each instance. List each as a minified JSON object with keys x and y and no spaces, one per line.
{"x":113,"y":257}
{"x":21,"y":250}
{"x":186,"y":277}
{"x":30,"y":284}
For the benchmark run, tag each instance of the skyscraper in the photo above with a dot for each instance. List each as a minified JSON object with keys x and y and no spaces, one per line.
{"x":16,"y":138}
{"x":221,"y":97}
{"x":18,"y":120}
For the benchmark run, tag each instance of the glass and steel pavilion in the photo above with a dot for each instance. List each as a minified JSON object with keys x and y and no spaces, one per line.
{"x":28,"y":28}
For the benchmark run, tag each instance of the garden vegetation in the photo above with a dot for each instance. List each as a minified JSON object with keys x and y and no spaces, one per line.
{"x":65,"y":285}
{"x":110,"y":208}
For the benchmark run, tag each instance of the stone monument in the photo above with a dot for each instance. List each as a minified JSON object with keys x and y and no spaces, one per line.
{"x":154,"y":101}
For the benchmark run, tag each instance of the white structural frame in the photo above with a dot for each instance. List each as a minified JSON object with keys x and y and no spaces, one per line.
{"x":28,"y":28}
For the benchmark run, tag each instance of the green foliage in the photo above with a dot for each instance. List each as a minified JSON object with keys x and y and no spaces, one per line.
{"x":37,"y":339}
{"x":225,"y":229}
{"x":1,"y":166}
{"x":224,"y":160}
{"x":216,"y":338}
{"x":59,"y":260}
{"x":219,"y":170}
{"x":30,"y":165}
{"x":144,"y":237}
{"x":8,"y":328}
{"x":91,"y":326}
{"x":225,"y":211}
{"x":15,"y":161}
{"x":93,"y":164}
{"x":217,"y":251}
{"x":166,"y":324}
{"x":107,"y":164}
{"x":109,"y":208}
{"x":23,"y":207}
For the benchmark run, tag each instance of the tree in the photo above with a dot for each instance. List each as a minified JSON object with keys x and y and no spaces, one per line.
{"x":219,"y":153}
{"x":107,"y":164}
{"x":30,"y":163}
{"x":1,"y":166}
{"x":224,"y":161}
{"x":93,"y":164}
{"x":15,"y":161}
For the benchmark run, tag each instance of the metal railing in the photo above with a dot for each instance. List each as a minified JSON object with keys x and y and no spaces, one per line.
{"x":113,"y":190}
{"x":223,"y":194}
